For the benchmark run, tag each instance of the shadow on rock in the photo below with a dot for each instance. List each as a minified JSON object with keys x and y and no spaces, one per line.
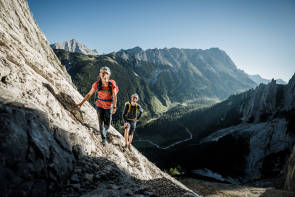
{"x":32,"y":160}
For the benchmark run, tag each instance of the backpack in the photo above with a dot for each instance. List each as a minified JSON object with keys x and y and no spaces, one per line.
{"x":129,"y":109}
{"x":110,"y":89}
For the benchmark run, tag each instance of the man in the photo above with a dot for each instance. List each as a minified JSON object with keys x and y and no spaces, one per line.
{"x":131,"y":115}
{"x":106,"y":100}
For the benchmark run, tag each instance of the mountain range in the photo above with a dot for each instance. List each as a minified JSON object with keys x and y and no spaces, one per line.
{"x":74,"y":46}
{"x":258,"y":79}
{"x":163,"y":78}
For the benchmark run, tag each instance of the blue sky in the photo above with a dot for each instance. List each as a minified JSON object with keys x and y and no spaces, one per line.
{"x":258,"y":35}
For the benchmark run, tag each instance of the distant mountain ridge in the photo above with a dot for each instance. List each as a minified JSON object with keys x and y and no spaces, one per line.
{"x":74,"y":46}
{"x":206,"y":68}
{"x":258,"y":79}
{"x":163,"y":78}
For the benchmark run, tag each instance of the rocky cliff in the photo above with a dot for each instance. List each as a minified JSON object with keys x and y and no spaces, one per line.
{"x":290,"y":174}
{"x":267,"y":132}
{"x":48,"y":147}
{"x":246,"y":138}
{"x":74,"y":46}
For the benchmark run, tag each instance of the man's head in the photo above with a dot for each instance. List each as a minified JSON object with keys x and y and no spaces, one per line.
{"x":105,"y":73}
{"x":134,"y":97}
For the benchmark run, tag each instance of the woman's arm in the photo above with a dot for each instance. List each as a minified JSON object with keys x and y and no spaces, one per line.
{"x":88,"y":95}
{"x":114,"y":101}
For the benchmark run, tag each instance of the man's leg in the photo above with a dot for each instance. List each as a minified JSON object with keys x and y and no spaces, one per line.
{"x":126,"y":133}
{"x":132,"y":129}
{"x":130,"y":139}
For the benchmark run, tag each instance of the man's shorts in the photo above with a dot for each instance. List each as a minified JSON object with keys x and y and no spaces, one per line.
{"x":132,"y":126}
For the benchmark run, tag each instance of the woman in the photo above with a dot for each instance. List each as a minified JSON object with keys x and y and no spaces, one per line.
{"x":106,"y":100}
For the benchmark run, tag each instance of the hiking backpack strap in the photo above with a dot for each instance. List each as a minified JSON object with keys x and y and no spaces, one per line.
{"x":129,"y":107}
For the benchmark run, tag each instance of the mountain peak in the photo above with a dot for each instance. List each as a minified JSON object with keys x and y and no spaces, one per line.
{"x":258,"y":79}
{"x":74,"y":46}
{"x":134,"y":50}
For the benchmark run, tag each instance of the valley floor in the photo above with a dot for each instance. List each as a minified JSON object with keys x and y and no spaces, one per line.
{"x":212,"y":189}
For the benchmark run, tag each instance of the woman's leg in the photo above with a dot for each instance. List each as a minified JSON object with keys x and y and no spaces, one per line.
{"x":100,"y":114}
{"x":107,"y":120}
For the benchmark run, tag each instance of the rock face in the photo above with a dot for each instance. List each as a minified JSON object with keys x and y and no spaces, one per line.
{"x":246,"y":138}
{"x":47,"y":146}
{"x":74,"y":46}
{"x":267,"y":131}
{"x":290,"y":175}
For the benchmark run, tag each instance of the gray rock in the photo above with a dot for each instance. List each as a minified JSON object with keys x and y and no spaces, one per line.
{"x":76,"y":186}
{"x":78,"y":170}
{"x":127,"y":192}
{"x":189,"y":194}
{"x":88,"y":177}
{"x":75,"y":178}
{"x":290,"y":175}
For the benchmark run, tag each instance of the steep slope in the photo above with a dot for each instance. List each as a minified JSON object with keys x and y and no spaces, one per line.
{"x":48,"y":147}
{"x":74,"y":46}
{"x":290,"y":174}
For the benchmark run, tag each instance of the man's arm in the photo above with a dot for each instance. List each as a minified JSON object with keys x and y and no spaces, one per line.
{"x":88,"y":95}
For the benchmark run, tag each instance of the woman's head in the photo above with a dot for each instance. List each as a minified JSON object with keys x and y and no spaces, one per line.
{"x":104,"y":73}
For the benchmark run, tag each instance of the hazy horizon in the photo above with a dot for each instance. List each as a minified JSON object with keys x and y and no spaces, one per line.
{"x":257,"y":35}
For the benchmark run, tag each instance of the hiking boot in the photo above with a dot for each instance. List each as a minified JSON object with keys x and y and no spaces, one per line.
{"x":129,"y":147}
{"x":104,"y":142}
{"x":109,"y":138}
{"x":124,"y":147}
